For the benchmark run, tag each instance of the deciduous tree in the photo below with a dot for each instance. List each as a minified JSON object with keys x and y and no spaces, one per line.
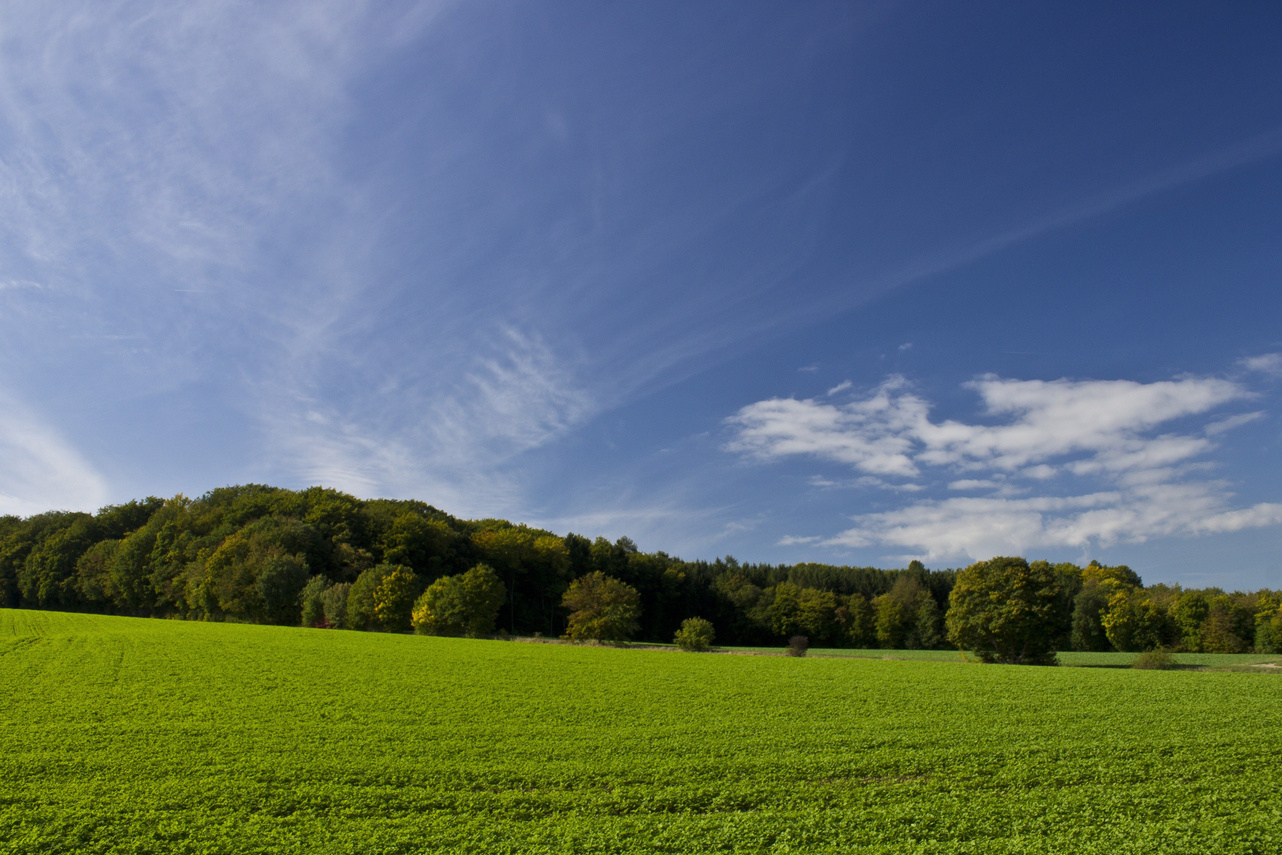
{"x":1006,"y":610}
{"x":601,"y":608}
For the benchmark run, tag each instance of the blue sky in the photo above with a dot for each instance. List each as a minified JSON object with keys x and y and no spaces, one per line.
{"x":855,"y":283}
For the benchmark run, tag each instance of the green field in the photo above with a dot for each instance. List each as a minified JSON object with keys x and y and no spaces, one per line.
{"x":135,"y":735}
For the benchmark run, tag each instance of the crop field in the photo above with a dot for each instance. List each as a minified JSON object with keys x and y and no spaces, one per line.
{"x":135,"y":735}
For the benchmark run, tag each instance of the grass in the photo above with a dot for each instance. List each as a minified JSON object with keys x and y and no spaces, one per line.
{"x":131,"y":735}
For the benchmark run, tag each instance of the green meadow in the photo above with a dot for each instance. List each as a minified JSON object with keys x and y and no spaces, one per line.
{"x":144,"y":735}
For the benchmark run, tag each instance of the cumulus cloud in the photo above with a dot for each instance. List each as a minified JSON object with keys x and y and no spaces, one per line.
{"x":1120,"y":433}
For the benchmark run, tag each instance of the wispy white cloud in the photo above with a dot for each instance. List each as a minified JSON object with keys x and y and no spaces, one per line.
{"x":1043,"y":431}
{"x":983,"y":527}
{"x":39,"y":469}
{"x":840,"y":387}
{"x":516,"y":396}
{"x":1266,"y":363}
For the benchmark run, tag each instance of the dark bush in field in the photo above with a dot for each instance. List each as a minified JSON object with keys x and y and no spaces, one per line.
{"x":1154,"y":660}
{"x":797,"y":646}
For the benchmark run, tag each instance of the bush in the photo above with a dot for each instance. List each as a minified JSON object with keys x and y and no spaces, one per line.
{"x":695,"y":634}
{"x":313,"y":601}
{"x":797,"y":646}
{"x":1154,"y":660}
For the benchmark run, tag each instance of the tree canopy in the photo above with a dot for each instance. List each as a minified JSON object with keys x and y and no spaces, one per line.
{"x":324,"y":558}
{"x":1007,"y":610}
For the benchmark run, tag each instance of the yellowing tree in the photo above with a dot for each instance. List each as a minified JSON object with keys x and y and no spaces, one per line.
{"x":601,"y":608}
{"x":467,"y":604}
{"x":1007,"y":610}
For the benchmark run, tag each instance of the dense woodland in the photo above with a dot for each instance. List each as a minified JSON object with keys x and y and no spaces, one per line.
{"x":324,"y":558}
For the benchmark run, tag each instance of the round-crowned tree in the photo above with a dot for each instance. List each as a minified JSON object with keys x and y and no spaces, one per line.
{"x":467,"y":604}
{"x":602,"y":608}
{"x":1007,"y":610}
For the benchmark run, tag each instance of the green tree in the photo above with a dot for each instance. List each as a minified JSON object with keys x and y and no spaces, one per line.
{"x":281,"y":580}
{"x":899,"y":610}
{"x":1089,"y":607}
{"x":785,"y":609}
{"x":927,"y":635}
{"x":312,"y":601}
{"x":858,"y":621}
{"x":601,"y":608}
{"x":1006,"y":610}
{"x":1188,"y":614}
{"x":1229,"y":626}
{"x":394,"y":599}
{"x":334,"y":604}
{"x":1133,"y":621}
{"x":361,"y":598}
{"x":695,"y":634}
{"x":467,"y":604}
{"x":817,"y":614}
{"x":1268,"y":626}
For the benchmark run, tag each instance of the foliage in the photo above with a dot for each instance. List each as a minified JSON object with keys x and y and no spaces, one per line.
{"x":244,"y":553}
{"x":1268,"y":626}
{"x":362,"y":598}
{"x":1007,"y":610}
{"x":334,"y":604}
{"x":467,"y":604}
{"x":1132,"y":622}
{"x":394,"y":599}
{"x":312,"y":601}
{"x":601,"y":608}
{"x":1229,"y":626}
{"x":1189,"y":614}
{"x":695,"y":634}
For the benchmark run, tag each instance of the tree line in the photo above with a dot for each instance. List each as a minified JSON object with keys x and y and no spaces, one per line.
{"x":319,"y":557}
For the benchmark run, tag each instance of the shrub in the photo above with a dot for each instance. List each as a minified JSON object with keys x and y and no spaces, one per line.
{"x":1154,"y":660}
{"x":797,"y":646}
{"x":313,"y":601}
{"x":695,"y":634}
